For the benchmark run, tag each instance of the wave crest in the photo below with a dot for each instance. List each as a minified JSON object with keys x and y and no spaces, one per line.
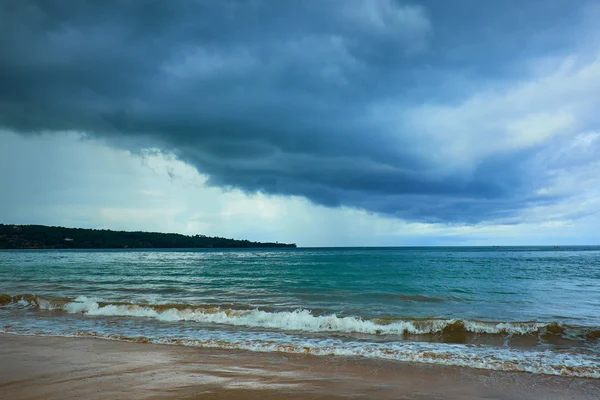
{"x":452,"y":330}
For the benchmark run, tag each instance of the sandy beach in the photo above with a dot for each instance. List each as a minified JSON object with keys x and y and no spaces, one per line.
{"x":33,"y":367}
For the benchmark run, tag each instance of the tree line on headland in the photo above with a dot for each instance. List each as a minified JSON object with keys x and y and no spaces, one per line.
{"x":57,"y":237}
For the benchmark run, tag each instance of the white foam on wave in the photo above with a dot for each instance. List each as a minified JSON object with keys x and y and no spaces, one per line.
{"x":511,"y":328}
{"x":298,"y":320}
{"x":480,"y":357}
{"x":542,"y":361}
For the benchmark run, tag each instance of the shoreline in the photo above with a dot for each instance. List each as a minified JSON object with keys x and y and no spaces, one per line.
{"x":46,"y":367}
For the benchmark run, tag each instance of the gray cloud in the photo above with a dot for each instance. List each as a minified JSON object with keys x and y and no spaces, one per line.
{"x":373,"y":104}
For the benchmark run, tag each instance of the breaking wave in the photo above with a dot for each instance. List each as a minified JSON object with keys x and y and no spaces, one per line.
{"x":292,"y":332}
{"x":302,"y":319}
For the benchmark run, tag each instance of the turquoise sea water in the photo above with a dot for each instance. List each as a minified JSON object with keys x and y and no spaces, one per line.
{"x":533,"y":309}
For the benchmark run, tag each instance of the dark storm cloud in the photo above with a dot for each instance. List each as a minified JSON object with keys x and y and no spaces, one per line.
{"x":283,"y":96}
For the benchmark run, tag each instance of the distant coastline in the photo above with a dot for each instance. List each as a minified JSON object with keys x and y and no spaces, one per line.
{"x":58,"y":237}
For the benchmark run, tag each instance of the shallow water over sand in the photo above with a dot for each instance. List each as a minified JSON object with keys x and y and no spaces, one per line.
{"x":61,"y":368}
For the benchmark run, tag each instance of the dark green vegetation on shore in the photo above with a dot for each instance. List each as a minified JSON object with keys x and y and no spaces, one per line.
{"x":56,"y":237}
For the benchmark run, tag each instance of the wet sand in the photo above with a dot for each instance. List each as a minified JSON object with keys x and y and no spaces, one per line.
{"x":33,"y":367}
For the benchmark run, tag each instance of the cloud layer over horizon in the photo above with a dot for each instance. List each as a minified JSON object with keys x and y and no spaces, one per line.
{"x":428,"y":112}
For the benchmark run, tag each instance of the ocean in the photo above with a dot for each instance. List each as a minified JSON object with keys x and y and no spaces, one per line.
{"x":534,"y":309}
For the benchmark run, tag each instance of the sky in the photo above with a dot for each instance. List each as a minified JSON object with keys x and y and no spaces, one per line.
{"x":319,"y":122}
